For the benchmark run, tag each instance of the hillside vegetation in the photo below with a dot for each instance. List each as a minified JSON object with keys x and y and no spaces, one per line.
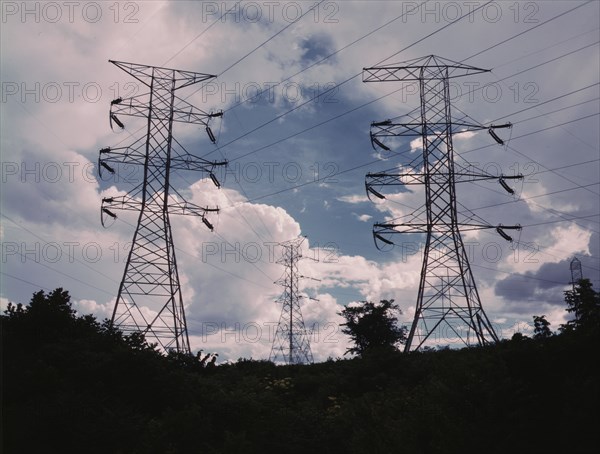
{"x":73,"y":385}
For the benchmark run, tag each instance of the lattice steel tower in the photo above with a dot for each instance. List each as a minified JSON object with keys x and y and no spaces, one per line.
{"x":448,"y":303}
{"x":149,"y":299}
{"x":576,"y":272}
{"x":291,"y":343}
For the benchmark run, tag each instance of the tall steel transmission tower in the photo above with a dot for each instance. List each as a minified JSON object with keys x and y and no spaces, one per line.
{"x":448,"y":303}
{"x":576,"y":272}
{"x":149,"y":299}
{"x":291,"y":343}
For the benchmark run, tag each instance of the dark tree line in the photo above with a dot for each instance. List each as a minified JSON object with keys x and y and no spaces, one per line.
{"x":72,"y":384}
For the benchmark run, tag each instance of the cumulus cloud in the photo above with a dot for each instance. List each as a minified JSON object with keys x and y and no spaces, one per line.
{"x":57,"y":88}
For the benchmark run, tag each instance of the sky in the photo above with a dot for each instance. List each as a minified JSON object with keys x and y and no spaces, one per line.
{"x":295,"y":132}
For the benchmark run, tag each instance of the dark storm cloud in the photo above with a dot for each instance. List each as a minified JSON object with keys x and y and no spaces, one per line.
{"x":548,"y":280}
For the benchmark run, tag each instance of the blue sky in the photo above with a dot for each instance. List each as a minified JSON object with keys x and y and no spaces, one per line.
{"x":298,"y":161}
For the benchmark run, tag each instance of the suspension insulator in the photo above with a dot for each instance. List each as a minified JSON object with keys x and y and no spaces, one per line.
{"x":211,"y":136}
{"x":107,"y":167}
{"x":375,"y":141}
{"x":382,"y":239}
{"x":106,"y":211}
{"x":116,"y":101}
{"x":496,"y":137}
{"x":374,"y":192}
{"x":114,"y":118}
{"x":208,"y":224}
{"x":503,"y":234}
{"x":506,"y":186}
{"x":110,"y":213}
{"x":214,"y":180}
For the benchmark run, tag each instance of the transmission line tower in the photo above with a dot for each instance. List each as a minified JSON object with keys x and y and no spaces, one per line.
{"x":291,"y":343}
{"x":448,"y":303}
{"x":576,"y":272}
{"x":149,"y":299}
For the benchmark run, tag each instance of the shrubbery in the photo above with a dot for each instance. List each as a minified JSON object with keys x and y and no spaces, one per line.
{"x":73,"y":384}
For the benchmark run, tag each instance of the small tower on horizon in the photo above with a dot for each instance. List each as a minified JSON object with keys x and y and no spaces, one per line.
{"x":291,"y":344}
{"x":576,"y":272}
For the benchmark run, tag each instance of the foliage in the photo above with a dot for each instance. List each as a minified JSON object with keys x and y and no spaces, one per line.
{"x":373,"y":327}
{"x":584,"y":303}
{"x":541,"y":327}
{"x":76,"y":385}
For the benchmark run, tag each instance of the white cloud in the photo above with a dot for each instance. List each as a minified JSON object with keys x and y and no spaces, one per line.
{"x":224,"y":280}
{"x":363,"y":217}
{"x":101,"y":311}
{"x":416,"y":144}
{"x":4,"y":303}
{"x":353,"y":198}
{"x":563,"y":243}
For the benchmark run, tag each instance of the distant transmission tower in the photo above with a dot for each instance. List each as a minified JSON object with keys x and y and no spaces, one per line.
{"x":448,"y":304}
{"x":149,"y":299}
{"x":576,"y":272}
{"x":291,"y":343}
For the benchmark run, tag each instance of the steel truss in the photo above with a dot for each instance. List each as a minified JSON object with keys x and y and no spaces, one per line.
{"x":149,"y":300}
{"x":291,"y":343}
{"x":448,"y":304}
{"x":576,"y":272}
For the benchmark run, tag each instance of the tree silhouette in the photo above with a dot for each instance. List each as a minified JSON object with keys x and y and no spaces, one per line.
{"x":541,"y":327}
{"x":67,"y":378}
{"x":373,"y":327}
{"x":584,"y":303}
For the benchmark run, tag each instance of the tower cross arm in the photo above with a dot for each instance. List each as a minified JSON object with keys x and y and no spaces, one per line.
{"x":384,"y":129}
{"x":191,"y":162}
{"x":190,"y":209}
{"x":423,"y":227}
{"x":183,"y":111}
{"x":129,"y":203}
{"x":145,"y":73}
{"x":429,"y":67}
{"x":131,"y":155}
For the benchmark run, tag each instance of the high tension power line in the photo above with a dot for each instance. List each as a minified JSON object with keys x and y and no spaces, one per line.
{"x":448,"y":303}
{"x":149,"y":299}
{"x":291,"y":343}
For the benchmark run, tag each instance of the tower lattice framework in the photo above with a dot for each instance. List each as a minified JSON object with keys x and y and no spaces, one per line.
{"x":291,"y":343}
{"x":149,"y":299}
{"x":448,"y":304}
{"x":576,"y":272}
